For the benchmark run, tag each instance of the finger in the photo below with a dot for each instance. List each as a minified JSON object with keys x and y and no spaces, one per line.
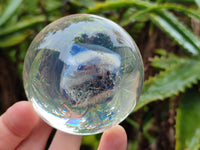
{"x":38,"y":137}
{"x":16,"y":124}
{"x":113,"y":139}
{"x":64,"y":141}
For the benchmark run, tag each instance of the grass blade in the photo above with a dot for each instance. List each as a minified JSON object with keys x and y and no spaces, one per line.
{"x":14,"y":39}
{"x":22,"y":25}
{"x":9,"y":11}
{"x":188,"y":122}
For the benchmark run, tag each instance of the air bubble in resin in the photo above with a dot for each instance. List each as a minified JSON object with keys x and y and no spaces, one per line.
{"x":83,"y":74}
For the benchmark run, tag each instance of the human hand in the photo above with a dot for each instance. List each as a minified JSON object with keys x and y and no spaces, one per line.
{"x":22,"y":129}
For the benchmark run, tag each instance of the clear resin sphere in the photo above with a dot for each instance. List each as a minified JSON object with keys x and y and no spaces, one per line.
{"x":83,"y":74}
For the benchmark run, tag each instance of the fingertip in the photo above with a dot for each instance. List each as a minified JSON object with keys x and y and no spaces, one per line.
{"x":16,"y":124}
{"x":64,"y":141}
{"x":114,"y":139}
{"x":20,"y":118}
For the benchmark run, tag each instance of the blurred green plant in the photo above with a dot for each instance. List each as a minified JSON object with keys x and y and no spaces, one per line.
{"x":20,"y":20}
{"x":177,"y":73}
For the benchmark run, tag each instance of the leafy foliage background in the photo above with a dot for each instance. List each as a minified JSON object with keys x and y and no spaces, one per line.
{"x":167,"y":33}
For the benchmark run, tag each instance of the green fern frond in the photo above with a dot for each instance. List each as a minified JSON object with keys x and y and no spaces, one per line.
{"x":167,"y":60}
{"x":140,"y":4}
{"x":176,"y":30}
{"x":170,"y":82}
{"x":160,"y":15}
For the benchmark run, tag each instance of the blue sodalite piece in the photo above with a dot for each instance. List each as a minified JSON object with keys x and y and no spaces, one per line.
{"x":90,"y":75}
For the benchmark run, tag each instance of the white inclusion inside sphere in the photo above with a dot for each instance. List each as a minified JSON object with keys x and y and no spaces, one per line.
{"x":83,"y":74}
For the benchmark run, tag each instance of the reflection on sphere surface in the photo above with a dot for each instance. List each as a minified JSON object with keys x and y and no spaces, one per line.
{"x":83,"y":74}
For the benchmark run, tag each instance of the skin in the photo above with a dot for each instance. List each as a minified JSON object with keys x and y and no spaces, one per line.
{"x":22,"y":129}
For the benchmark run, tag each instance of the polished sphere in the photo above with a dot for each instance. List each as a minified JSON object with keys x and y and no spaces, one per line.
{"x":83,"y":74}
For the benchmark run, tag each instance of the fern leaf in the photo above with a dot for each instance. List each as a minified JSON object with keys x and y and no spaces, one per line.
{"x":170,"y":82}
{"x":167,"y":60}
{"x":176,"y":30}
{"x":143,"y":5}
{"x":162,"y":18}
{"x":118,"y":4}
{"x":166,"y":6}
